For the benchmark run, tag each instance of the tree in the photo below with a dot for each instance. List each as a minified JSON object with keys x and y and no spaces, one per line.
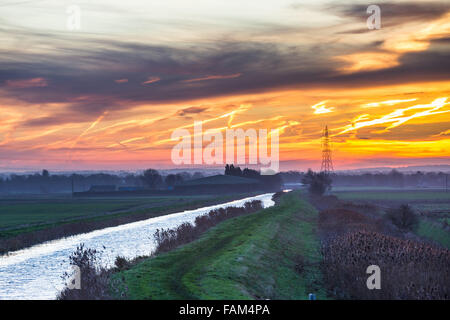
{"x":404,"y":217}
{"x":152,"y":178}
{"x":396,"y":178}
{"x":170,"y":180}
{"x":45,"y":173}
{"x":231,"y":170}
{"x":318,"y":183}
{"x":197,"y":175}
{"x":250,"y":173}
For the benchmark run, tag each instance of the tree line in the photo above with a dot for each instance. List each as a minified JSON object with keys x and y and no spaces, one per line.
{"x":45,"y":182}
{"x":393,"y":178}
{"x":273,"y":182}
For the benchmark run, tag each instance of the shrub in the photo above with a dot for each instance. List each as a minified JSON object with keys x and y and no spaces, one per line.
{"x":318,"y":183}
{"x":121,"y":263}
{"x":168,"y":239}
{"x":94,"y":279}
{"x":403,"y":217}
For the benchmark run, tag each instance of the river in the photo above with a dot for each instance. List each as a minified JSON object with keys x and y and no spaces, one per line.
{"x":35,"y":272}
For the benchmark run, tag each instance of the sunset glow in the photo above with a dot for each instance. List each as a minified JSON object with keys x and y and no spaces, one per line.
{"x":109,"y":96}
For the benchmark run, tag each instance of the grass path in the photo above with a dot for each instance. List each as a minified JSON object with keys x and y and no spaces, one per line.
{"x":271,"y":254}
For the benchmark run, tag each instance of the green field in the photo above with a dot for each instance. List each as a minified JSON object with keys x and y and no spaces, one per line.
{"x":431,"y":230}
{"x":271,"y":254}
{"x":434,"y":207}
{"x":19,"y":215}
{"x":393,"y":195}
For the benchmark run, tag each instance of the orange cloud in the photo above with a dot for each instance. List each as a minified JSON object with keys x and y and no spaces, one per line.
{"x":367,"y":61}
{"x":388,"y":103}
{"x":214,"y":77}
{"x":321,"y":107}
{"x":151,"y":80}
{"x":398,"y":116}
{"x":27,"y":83}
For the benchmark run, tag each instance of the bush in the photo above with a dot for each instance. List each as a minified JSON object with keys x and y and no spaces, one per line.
{"x":403,"y":217}
{"x":94,"y":279}
{"x":168,"y":239}
{"x":318,"y":183}
{"x":121,"y":263}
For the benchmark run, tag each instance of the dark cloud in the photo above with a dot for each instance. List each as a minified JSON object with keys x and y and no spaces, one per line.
{"x":85,"y":78}
{"x":393,"y":14}
{"x":47,"y":121}
{"x":191,"y":110}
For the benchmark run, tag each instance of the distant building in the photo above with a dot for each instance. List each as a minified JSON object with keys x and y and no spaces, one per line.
{"x":218,"y":184}
{"x":102,"y":188}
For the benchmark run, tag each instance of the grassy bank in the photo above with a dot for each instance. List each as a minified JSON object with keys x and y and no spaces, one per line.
{"x":271,"y":254}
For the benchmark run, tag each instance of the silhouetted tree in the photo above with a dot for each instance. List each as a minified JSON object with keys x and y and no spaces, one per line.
{"x":45,"y":173}
{"x":152,"y":178}
{"x":396,"y":178}
{"x":318,"y":183}
{"x":231,"y":170}
{"x":404,"y":217}
{"x":250,"y":173}
{"x":197,"y":175}
{"x":170,"y":180}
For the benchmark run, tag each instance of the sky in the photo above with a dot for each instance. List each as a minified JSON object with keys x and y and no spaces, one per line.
{"x":110,"y":94}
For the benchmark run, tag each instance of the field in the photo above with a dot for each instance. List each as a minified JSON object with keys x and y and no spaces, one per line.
{"x":433,"y":206}
{"x":395,"y":195}
{"x":20,"y":215}
{"x":271,"y":254}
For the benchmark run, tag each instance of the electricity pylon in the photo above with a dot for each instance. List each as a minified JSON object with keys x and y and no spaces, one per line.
{"x":327,"y":163}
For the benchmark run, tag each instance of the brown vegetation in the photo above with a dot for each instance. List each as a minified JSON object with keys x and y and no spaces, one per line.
{"x":352,"y":241}
{"x":96,"y":281}
{"x":409,"y":269}
{"x":168,"y":239}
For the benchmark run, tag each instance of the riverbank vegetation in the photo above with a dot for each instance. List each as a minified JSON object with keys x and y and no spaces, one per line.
{"x":358,"y":234}
{"x":304,"y":244}
{"x":271,"y":254}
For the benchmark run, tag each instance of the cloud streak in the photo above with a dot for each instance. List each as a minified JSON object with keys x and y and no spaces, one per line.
{"x":398,"y":117}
